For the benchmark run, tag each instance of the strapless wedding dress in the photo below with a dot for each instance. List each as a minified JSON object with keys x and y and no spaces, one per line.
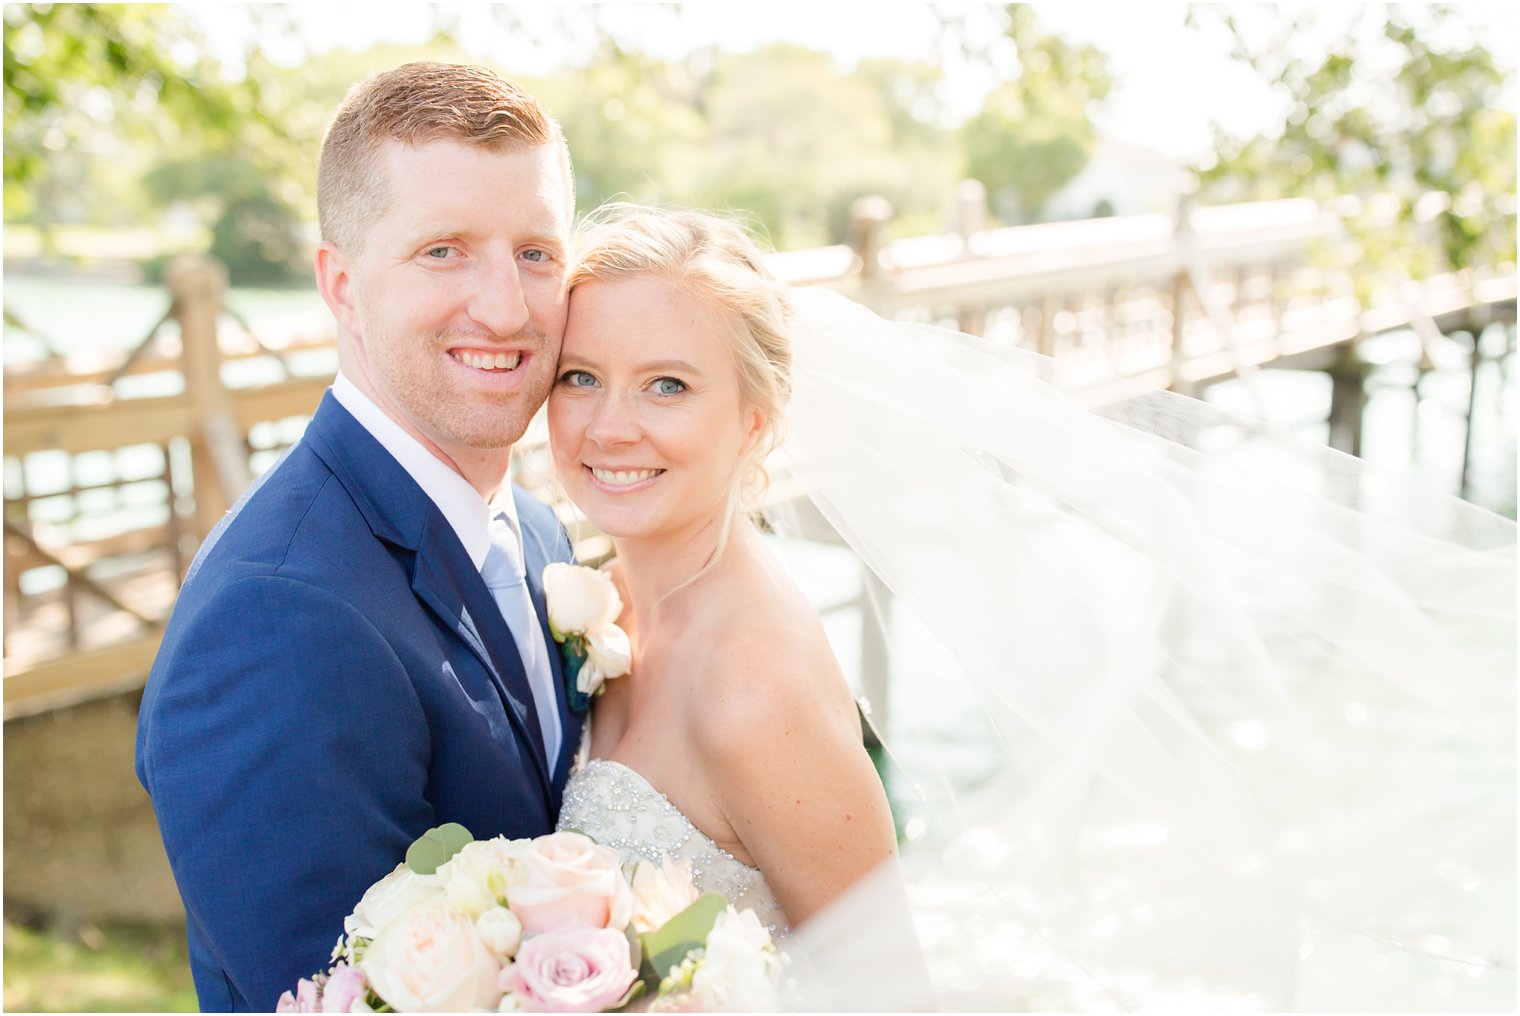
{"x":618,"y":808}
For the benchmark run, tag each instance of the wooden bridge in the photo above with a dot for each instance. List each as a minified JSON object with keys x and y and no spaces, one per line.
{"x":93,"y":560}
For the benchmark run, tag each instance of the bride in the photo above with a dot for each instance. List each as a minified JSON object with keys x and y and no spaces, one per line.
{"x":734,"y":744}
{"x":1251,"y":706}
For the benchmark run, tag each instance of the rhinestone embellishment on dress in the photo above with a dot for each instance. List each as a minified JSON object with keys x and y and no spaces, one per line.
{"x":618,"y":808}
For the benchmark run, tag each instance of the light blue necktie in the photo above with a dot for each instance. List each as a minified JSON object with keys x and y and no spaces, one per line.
{"x":503,"y":572}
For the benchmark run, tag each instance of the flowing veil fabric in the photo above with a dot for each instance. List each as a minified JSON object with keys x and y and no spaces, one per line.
{"x":1249,"y":707}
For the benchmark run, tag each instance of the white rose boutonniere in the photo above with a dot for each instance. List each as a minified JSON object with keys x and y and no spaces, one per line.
{"x":583,"y":609}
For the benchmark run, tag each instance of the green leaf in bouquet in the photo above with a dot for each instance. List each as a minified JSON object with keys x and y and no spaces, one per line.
{"x":635,"y":991}
{"x":635,"y":946}
{"x":434,"y":847}
{"x":667,"y":946}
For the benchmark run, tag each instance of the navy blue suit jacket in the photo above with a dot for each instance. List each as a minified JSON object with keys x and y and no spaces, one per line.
{"x":335,"y":679}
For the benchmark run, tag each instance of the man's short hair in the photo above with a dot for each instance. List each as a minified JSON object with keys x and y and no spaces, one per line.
{"x":414,"y":104}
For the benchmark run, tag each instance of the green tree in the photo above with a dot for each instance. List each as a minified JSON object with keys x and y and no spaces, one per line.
{"x":1401,"y":106}
{"x":795,"y":141}
{"x":1035,"y":131}
{"x":633,"y":127}
{"x":92,"y":79}
{"x":116,"y":113}
{"x":259,"y":236}
{"x":922,"y":165}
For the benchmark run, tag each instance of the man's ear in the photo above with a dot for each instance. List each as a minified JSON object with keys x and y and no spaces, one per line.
{"x":335,"y":283}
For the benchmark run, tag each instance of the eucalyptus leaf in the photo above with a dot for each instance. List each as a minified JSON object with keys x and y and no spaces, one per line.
{"x":434,"y":847}
{"x":635,"y":991}
{"x":668,"y":945}
{"x":635,"y":947}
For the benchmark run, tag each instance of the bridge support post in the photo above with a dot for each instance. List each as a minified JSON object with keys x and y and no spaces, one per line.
{"x":1348,"y":403}
{"x":1181,"y":286}
{"x":1479,"y":321}
{"x":869,"y":216}
{"x":970,"y":219}
{"x":875,"y":677}
{"x":219,"y":454}
{"x":14,"y":560}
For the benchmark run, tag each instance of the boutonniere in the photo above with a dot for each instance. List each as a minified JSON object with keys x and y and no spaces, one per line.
{"x":583,"y":609}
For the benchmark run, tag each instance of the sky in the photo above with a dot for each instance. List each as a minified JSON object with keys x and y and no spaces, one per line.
{"x":1172,"y":82}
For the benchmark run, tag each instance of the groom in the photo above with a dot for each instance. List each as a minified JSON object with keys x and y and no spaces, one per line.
{"x":354,"y":657}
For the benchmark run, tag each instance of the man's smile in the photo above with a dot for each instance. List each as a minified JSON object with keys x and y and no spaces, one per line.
{"x":487,"y":360}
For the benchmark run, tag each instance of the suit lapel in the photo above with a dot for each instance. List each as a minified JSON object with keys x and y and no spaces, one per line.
{"x":443,"y":578}
{"x":456,"y":593}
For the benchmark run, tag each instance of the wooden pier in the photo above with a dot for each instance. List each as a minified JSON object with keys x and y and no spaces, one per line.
{"x":1160,"y":301}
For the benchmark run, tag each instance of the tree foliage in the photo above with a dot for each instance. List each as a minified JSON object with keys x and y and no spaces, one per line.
{"x":1035,"y":131}
{"x":795,"y":142}
{"x":97,"y":95}
{"x":1400,"y":110}
{"x":94,"y":77}
{"x":779,"y":135}
{"x":634,"y":127}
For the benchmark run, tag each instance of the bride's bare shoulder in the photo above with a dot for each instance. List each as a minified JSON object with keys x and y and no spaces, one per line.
{"x":772,"y":676}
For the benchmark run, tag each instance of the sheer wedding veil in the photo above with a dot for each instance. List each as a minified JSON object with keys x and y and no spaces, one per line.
{"x":1233,"y":719}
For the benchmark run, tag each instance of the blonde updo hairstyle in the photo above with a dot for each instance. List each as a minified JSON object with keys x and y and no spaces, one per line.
{"x":714,"y":261}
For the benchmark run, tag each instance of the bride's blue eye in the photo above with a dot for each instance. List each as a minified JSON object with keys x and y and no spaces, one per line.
{"x":668,"y":386}
{"x":577,"y":379}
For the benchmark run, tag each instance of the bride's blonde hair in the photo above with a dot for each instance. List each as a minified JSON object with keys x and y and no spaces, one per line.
{"x":714,"y":261}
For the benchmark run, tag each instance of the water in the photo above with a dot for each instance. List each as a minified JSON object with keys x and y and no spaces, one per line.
{"x":93,"y":322}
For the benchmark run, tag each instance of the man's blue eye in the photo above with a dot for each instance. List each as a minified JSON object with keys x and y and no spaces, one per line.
{"x":439,"y":253}
{"x":535,"y":255}
{"x":669,"y":386}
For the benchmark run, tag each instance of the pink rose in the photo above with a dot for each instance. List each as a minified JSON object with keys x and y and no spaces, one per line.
{"x":571,"y":882}
{"x":305,"y":1000}
{"x":345,"y":986}
{"x":573,"y":970}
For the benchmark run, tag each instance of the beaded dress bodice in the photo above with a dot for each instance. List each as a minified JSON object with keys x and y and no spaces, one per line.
{"x":618,"y":808}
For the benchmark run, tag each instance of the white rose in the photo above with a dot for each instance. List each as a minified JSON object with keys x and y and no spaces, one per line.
{"x":391,"y":896}
{"x":476,"y":878}
{"x":501,"y":931}
{"x":608,"y":650}
{"x":588,"y":679}
{"x":432,"y":959}
{"x":739,"y":968}
{"x":579,"y":599}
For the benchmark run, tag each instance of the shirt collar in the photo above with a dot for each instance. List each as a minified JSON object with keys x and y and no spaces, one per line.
{"x":461,"y":504}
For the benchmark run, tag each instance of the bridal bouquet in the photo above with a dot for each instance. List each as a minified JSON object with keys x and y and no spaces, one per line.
{"x":550,"y":924}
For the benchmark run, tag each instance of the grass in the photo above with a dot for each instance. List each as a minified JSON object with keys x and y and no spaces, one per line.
{"x":109,"y":968}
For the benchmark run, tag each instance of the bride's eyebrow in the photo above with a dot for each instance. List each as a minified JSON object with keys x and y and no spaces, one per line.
{"x":573,"y":362}
{"x":673,"y":366}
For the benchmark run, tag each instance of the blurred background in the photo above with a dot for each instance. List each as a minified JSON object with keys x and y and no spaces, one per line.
{"x":1301,"y":212}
